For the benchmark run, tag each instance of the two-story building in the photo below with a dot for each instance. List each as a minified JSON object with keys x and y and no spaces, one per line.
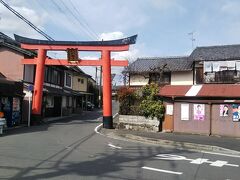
{"x":211,"y":105}
{"x":12,"y":73}
{"x":201,"y":92}
{"x":160,"y":70}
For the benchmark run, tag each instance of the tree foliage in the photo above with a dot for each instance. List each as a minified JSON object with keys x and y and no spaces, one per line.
{"x":150,"y":105}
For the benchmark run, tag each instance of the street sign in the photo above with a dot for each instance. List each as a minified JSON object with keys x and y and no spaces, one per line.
{"x":30,"y":87}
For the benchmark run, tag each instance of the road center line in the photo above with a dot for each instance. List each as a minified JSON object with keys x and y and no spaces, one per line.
{"x":161,"y":170}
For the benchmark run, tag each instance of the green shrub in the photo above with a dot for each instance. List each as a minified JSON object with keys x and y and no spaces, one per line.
{"x":151,"y":106}
{"x":148,"y":104}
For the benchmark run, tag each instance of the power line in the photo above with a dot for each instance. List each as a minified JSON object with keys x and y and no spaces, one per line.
{"x":84,"y":22}
{"x":27,"y":21}
{"x":75,"y":17}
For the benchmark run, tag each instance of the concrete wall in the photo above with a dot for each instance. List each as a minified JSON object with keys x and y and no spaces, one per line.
{"x":224,"y":125}
{"x":10,"y":64}
{"x":216,"y":125}
{"x":77,"y":85}
{"x":182,"y":78}
{"x":139,"y":123}
{"x":191,"y":125}
{"x":138,"y":80}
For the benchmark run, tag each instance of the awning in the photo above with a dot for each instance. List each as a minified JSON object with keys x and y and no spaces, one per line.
{"x":11,"y":88}
{"x":227,"y":91}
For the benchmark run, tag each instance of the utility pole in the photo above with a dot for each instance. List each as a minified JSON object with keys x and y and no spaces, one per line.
{"x":96,"y":76}
{"x":192,"y":38}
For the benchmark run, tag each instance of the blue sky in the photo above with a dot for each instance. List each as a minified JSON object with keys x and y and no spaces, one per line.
{"x":162,"y":25}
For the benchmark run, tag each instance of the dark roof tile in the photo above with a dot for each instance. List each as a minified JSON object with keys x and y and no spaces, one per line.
{"x":215,"y":53}
{"x":173,"y":64}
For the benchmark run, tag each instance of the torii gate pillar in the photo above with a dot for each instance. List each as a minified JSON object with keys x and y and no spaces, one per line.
{"x":105,"y":47}
{"x":38,"y":83}
{"x":107,"y":86}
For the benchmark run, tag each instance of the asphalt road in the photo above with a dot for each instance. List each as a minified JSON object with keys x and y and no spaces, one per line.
{"x":71,"y":149}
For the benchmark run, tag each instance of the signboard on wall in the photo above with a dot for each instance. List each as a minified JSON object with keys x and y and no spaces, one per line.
{"x":185,"y":112}
{"x":199,"y":112}
{"x":224,"y":110}
{"x":169,"y":109}
{"x":236,"y":112}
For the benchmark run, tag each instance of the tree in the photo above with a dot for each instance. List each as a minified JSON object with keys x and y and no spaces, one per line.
{"x":150,"y":105}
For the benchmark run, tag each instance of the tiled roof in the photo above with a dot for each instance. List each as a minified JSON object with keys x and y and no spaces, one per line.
{"x":207,"y":90}
{"x":12,"y":44}
{"x":172,"y":63}
{"x":215,"y":53}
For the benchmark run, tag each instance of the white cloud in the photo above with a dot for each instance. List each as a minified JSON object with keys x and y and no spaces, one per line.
{"x":10,"y":23}
{"x":111,"y":35}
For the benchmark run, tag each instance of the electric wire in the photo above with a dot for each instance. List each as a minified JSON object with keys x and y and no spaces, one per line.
{"x":75,"y":17}
{"x":26,"y":21}
{"x":84,"y":23}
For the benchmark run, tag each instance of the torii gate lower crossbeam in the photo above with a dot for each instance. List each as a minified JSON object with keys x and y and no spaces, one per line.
{"x":105,"y":47}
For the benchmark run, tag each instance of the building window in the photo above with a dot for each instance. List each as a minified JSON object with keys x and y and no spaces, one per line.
{"x":221,"y":72}
{"x":82,"y":81}
{"x":52,"y":76}
{"x":163,"y":78}
{"x":68,"y":80}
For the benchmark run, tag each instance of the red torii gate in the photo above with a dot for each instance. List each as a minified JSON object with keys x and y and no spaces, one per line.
{"x":105,"y":47}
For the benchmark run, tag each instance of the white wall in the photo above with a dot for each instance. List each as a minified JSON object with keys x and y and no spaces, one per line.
{"x":182,"y":78}
{"x":138,"y":80}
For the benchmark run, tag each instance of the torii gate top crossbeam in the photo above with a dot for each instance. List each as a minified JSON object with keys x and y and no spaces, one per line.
{"x":113,"y":45}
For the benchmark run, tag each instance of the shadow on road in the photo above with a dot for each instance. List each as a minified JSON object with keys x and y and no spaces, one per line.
{"x":102,"y":166}
{"x":85,"y":118}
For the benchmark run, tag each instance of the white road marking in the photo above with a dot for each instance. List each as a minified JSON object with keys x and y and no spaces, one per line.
{"x":199,"y":161}
{"x":219,"y":163}
{"x":161,"y":170}
{"x":113,"y":146}
{"x":221,"y":154}
{"x":233,"y":165}
{"x":173,"y":157}
{"x":96,"y":128}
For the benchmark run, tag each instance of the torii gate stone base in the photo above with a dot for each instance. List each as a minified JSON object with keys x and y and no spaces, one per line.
{"x":105,"y":47}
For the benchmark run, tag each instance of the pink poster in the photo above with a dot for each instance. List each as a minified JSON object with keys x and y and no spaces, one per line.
{"x":199,"y":112}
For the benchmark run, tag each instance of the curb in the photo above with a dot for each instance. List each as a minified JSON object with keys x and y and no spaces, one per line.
{"x":181,"y":145}
{"x":167,"y":143}
{"x":171,"y":144}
